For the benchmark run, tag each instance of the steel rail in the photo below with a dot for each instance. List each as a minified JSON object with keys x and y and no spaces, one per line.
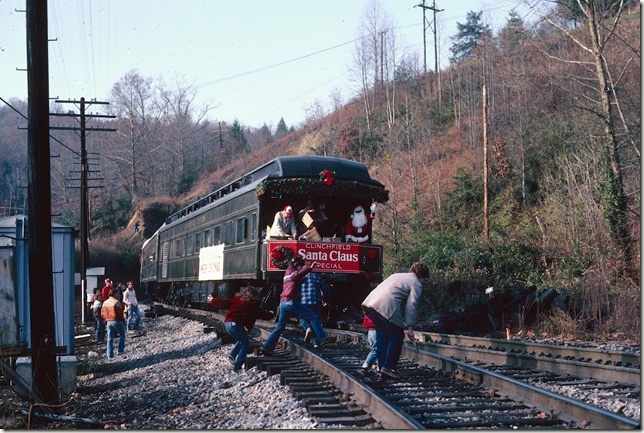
{"x":390,"y":416}
{"x":565,"y":408}
{"x":576,"y":368}
{"x":577,"y":353}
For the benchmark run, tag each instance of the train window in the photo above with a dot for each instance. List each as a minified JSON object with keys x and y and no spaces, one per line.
{"x":178,"y":248}
{"x":207,"y":240}
{"x":217,"y":235}
{"x":197,"y":242}
{"x":241,"y":230}
{"x":228,"y":233}
{"x":188,"y":245}
{"x":253,"y":226}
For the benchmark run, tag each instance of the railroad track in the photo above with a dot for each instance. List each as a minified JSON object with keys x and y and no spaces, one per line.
{"x":434,"y":391}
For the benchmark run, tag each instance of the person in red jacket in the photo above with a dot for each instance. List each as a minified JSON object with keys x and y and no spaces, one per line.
{"x":290,"y":304}
{"x":107,"y":289}
{"x":372,"y":357}
{"x":242,"y":313}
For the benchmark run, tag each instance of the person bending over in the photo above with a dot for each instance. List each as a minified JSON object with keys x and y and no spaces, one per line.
{"x":390,"y":306}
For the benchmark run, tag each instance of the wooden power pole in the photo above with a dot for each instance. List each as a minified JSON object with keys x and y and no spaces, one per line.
{"x":84,"y":187}
{"x":44,"y":381}
{"x":486,"y":215}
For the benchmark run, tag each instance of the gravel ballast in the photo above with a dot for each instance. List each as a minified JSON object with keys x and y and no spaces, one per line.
{"x":176,"y":376}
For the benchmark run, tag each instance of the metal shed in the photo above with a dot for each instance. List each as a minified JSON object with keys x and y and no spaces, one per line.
{"x":15,"y":327}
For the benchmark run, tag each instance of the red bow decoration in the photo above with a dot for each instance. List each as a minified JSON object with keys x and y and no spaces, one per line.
{"x":276,"y":254}
{"x":327,"y":177}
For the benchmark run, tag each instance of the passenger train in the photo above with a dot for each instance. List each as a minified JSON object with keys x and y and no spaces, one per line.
{"x":222,"y":242}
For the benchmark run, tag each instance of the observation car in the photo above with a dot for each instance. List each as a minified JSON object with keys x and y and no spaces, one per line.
{"x":222,"y":241}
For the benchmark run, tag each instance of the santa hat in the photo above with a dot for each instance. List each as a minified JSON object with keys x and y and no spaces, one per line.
{"x":288,"y":210}
{"x":108,"y":281}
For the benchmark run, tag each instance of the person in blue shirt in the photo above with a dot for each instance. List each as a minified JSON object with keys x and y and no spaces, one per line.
{"x":314,"y":292}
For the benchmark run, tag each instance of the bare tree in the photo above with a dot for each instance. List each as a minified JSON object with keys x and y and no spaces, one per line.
{"x":131,"y":101}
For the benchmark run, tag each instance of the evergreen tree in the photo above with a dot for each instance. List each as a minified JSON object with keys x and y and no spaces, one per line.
{"x":513,"y":33}
{"x":282,"y":129}
{"x":238,"y":136}
{"x":468,"y":37}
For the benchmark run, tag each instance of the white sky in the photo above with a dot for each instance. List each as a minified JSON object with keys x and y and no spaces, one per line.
{"x":211,"y":42}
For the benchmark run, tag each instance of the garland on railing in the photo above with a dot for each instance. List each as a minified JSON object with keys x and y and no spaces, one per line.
{"x":333,"y":188}
{"x":281,"y":256}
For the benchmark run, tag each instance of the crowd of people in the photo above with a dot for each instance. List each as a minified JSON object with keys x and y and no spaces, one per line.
{"x":110,"y":307}
{"x":389,"y":310}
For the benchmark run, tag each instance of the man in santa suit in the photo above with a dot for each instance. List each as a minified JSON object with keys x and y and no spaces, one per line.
{"x":357,"y":229}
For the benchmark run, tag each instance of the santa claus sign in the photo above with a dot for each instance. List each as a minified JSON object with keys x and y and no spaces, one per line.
{"x":357,"y":228}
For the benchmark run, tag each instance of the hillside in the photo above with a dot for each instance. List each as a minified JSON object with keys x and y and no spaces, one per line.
{"x":551,"y":186}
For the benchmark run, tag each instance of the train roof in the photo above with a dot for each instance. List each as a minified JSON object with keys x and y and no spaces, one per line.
{"x":303,"y":166}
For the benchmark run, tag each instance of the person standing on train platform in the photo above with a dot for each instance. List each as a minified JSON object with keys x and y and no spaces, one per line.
{"x":132,"y":307}
{"x":242,"y":313}
{"x":290,"y":304}
{"x":112,"y":313}
{"x":391,"y":306}
{"x":314,"y":293}
{"x":284,"y":224}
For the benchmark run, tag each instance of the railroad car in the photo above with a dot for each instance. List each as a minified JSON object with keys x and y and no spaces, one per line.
{"x":221,"y":242}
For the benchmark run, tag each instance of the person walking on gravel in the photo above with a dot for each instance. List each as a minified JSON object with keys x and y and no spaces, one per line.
{"x":132,"y":306}
{"x":112,"y":313}
{"x":242,"y":313}
{"x":290,"y":304}
{"x":390,"y":306}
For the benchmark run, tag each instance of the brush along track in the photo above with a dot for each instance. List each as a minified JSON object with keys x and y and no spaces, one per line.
{"x":449,"y":395}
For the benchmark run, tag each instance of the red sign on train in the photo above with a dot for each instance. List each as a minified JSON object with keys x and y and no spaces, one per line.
{"x":330,"y":256}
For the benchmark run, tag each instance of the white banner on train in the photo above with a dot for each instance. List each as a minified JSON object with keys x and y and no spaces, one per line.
{"x":211,"y":263}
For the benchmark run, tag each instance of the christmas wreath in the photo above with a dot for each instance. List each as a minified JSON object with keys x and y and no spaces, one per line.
{"x":281,"y":256}
{"x":326,"y":177}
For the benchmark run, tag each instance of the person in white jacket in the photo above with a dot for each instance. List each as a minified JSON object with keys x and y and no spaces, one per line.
{"x":132,"y":304}
{"x":391,"y":306}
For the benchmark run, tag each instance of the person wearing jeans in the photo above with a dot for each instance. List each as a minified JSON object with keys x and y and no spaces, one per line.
{"x":390,"y":306}
{"x":132,"y":306}
{"x":290,"y":304}
{"x":112,"y":313}
{"x":115,"y":327}
{"x":242,"y":313}
{"x":372,"y":357}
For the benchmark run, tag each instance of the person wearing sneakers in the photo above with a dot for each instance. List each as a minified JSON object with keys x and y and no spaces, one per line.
{"x":372,"y":357}
{"x":290,"y":304}
{"x":391,"y":306}
{"x":314,"y":293}
{"x":242,"y":313}
{"x":132,"y":307}
{"x":112,"y":313}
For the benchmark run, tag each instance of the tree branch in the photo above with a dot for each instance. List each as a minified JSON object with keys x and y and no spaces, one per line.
{"x":547,"y":18}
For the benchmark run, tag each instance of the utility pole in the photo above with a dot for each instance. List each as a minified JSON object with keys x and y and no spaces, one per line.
{"x":486,"y":215}
{"x":44,"y":381}
{"x":221,"y":138}
{"x":84,"y":171}
{"x":432,"y":26}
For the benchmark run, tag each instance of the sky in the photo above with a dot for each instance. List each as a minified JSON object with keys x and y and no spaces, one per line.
{"x":255,"y":61}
